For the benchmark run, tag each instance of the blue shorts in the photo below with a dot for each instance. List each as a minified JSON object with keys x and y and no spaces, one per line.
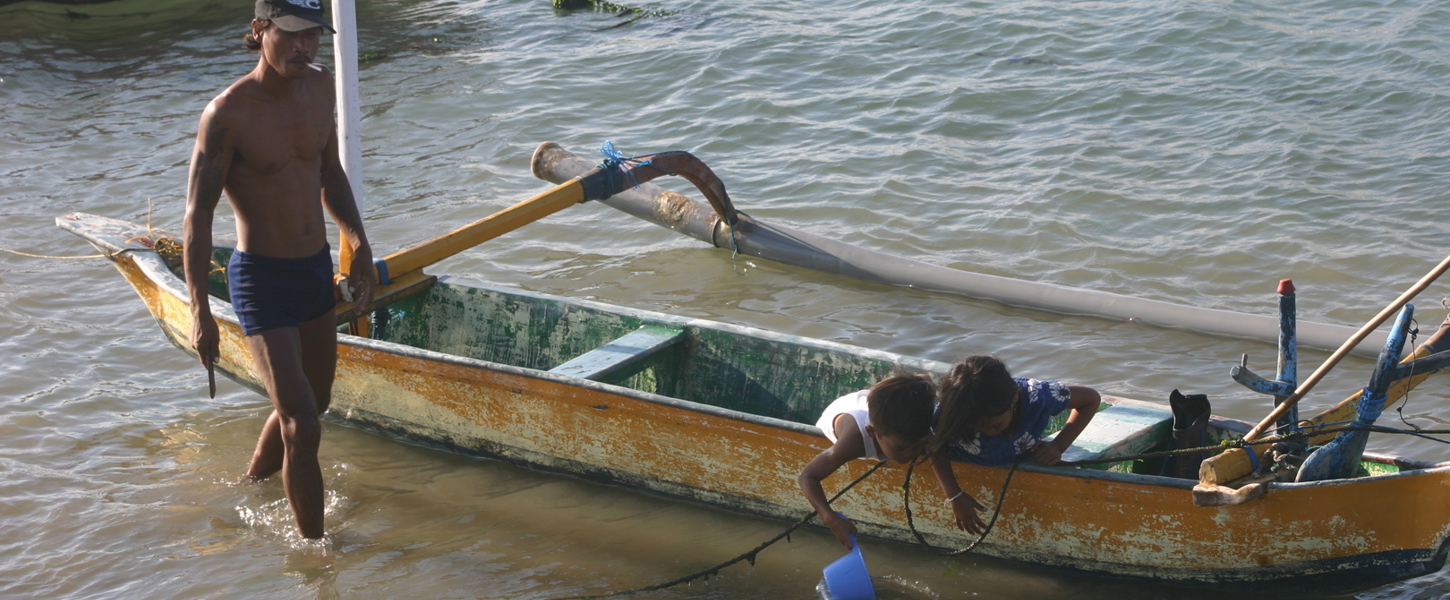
{"x":268,"y":292}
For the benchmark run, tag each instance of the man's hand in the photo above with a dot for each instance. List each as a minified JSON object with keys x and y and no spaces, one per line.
{"x":842,"y":528}
{"x":965,"y":509}
{"x":205,"y":339}
{"x":362,"y":276}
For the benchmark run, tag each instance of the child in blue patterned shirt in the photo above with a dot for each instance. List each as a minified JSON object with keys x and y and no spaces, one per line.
{"x":987,"y":417}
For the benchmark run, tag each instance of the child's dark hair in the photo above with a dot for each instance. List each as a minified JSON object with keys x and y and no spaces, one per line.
{"x":901,"y":405}
{"x":976,"y":389}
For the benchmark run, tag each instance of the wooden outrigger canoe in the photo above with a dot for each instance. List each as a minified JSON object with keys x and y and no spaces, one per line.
{"x":721,"y":414}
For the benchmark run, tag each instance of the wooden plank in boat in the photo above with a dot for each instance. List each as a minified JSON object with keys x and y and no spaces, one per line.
{"x":1125,"y":428}
{"x":620,"y":353}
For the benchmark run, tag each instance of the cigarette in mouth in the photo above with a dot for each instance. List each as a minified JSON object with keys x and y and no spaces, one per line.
{"x":315,"y":66}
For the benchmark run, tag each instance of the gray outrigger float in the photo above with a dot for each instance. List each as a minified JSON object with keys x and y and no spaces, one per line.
{"x":732,"y":230}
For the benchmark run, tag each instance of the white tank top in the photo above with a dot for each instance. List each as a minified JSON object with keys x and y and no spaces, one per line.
{"x":853,"y":404}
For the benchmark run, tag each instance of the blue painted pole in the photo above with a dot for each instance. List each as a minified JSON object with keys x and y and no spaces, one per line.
{"x":1340,"y":458}
{"x":1288,"y":354}
{"x":1287,"y":378}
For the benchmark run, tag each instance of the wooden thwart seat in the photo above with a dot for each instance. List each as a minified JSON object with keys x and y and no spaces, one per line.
{"x":1126,"y":428}
{"x":621,"y":353}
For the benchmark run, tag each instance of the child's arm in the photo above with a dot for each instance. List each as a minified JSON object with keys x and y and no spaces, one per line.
{"x":1083,"y":401}
{"x":964,"y":506}
{"x":848,"y":447}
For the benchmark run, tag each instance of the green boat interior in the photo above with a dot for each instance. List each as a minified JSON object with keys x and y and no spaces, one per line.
{"x":667,"y":357}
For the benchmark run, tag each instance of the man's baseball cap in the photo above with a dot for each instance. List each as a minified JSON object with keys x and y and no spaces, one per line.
{"x":293,"y":15}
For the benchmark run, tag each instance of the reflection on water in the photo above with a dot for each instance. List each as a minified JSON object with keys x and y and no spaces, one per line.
{"x":888,"y":587}
{"x":1192,"y":153}
{"x":271,"y":517}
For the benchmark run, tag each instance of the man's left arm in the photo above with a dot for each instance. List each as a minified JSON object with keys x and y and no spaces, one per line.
{"x":337,"y":197}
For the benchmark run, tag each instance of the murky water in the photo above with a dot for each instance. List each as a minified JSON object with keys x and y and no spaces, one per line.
{"x":1190,"y":152}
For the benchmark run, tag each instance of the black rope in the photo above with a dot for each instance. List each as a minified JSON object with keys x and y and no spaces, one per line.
{"x":997,"y":510}
{"x":1414,"y":331}
{"x":748,"y":556}
{"x":1287,"y":437}
{"x":1001,"y":497}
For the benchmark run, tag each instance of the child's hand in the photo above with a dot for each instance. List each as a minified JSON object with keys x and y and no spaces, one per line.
{"x":842,"y":528}
{"x":1047,"y":453}
{"x":965,"y":509}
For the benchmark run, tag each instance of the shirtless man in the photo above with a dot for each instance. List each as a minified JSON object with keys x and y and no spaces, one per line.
{"x":269,"y":142}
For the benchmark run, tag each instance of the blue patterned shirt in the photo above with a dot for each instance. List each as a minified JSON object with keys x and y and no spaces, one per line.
{"x":1040,"y":401}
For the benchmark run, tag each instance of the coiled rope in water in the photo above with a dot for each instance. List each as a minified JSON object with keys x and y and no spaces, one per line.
{"x":747,"y":556}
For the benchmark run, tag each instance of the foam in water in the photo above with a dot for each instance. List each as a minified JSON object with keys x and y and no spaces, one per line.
{"x":888,"y":587}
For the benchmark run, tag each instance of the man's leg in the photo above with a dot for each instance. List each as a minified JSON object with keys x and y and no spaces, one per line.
{"x":267,"y":458}
{"x":294,"y":426}
{"x":319,"y":357}
{"x":318,"y":339}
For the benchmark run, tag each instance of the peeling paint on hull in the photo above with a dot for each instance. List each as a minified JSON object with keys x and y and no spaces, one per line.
{"x":1318,"y":538}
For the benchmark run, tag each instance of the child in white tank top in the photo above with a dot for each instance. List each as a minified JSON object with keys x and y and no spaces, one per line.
{"x":890,"y":421}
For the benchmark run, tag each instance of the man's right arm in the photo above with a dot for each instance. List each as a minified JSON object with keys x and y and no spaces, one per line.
{"x":210,"y":161}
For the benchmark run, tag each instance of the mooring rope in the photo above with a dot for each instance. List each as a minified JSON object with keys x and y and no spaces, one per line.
{"x":1414,"y":332}
{"x":734,"y":247}
{"x":1286,"y":437}
{"x":167,"y":247}
{"x":29,"y":255}
{"x":747,"y":556}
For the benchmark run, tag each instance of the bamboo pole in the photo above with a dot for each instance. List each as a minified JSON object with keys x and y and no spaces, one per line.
{"x":547,"y":203}
{"x":400,"y":274}
{"x":604,"y":181}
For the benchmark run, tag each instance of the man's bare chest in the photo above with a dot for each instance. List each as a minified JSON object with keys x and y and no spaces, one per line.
{"x":278,"y":141}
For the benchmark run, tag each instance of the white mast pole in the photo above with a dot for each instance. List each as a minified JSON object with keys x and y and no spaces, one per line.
{"x":349,"y":117}
{"x":349,"y":113}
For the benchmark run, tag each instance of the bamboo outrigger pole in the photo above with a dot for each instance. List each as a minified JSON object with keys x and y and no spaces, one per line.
{"x":400,"y":273}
